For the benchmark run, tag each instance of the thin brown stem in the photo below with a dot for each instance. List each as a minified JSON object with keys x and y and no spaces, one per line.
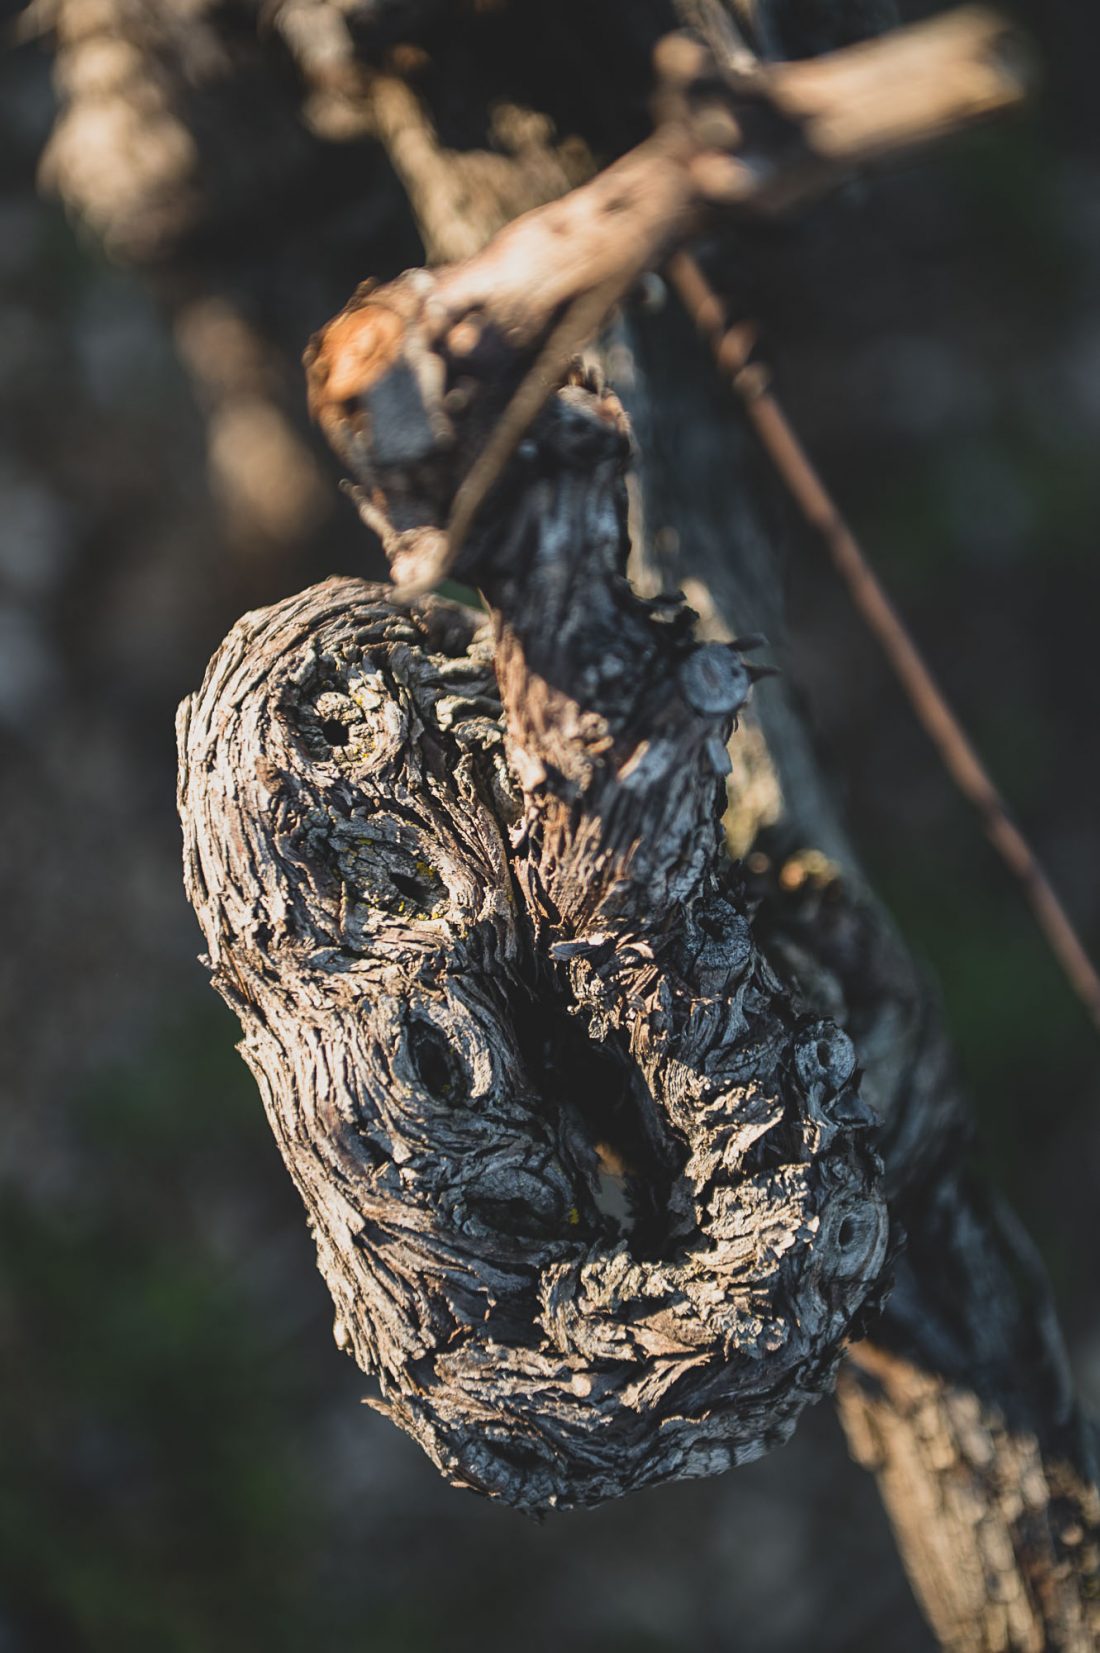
{"x":732,"y":347}
{"x":581,"y":322}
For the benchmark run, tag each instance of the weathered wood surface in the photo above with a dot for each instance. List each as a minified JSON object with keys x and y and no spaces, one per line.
{"x":592,"y":1193}
{"x":155,"y":183}
{"x":609,"y":840}
{"x":984,"y":1460}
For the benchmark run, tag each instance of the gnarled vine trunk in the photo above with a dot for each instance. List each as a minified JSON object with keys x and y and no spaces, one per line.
{"x":339,"y":879}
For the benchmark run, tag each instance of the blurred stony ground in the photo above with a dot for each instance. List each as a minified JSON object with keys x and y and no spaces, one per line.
{"x":183,"y":1460}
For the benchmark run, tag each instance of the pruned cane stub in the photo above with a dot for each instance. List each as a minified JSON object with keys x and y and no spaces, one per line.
{"x":596,"y":1202}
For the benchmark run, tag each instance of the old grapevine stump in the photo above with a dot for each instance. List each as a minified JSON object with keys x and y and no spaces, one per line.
{"x":595,"y":1200}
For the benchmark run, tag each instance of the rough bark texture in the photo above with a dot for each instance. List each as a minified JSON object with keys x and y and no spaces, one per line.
{"x":959,"y":1401}
{"x":968,"y":1337}
{"x":477,"y":1011}
{"x":980,"y":1452}
{"x":959,"y":1392}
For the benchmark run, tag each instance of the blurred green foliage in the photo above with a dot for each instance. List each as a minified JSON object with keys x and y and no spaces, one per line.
{"x":154,"y":1487}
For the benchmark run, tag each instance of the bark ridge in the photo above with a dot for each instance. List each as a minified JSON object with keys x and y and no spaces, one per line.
{"x":596,"y":1201}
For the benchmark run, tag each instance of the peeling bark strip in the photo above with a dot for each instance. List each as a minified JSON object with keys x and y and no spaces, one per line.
{"x":595,"y":1201}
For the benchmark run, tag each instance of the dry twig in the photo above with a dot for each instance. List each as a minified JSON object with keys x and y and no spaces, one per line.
{"x":732,"y":347}
{"x":754,"y":142}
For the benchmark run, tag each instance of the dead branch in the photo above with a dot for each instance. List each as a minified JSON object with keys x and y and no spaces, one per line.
{"x":748,"y":142}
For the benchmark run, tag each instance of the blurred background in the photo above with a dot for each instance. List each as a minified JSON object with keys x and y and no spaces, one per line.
{"x":184,"y":1462}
